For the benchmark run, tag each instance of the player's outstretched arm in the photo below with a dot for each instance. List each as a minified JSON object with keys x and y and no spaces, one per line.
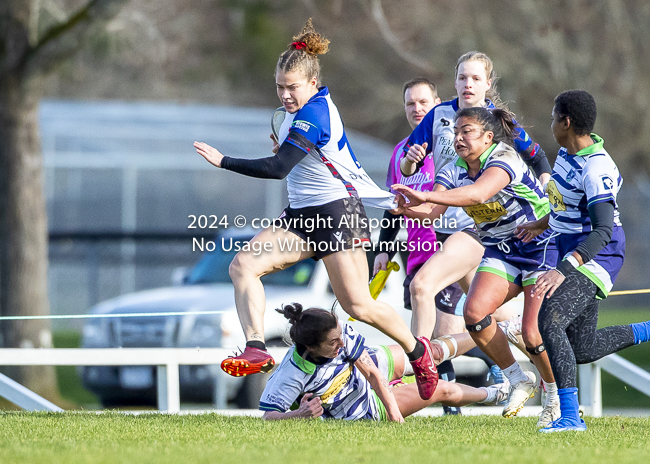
{"x":379,"y":385}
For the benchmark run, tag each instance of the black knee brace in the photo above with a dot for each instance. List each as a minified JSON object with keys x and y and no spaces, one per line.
{"x":539,"y":349}
{"x":480,"y":325}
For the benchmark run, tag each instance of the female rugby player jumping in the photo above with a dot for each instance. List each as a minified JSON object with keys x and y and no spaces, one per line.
{"x":324,"y":180}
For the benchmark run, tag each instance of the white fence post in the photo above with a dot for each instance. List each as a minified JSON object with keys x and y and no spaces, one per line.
{"x":219,"y":397}
{"x":169,"y":396}
{"x":590,"y":390}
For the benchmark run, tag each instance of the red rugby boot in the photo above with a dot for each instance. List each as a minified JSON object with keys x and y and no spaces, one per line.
{"x":250,"y":361}
{"x":426,"y":373}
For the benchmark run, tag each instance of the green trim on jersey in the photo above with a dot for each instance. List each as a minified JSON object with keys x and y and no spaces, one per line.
{"x":461,"y":162}
{"x":527,"y":282}
{"x":304,"y":365}
{"x":602,"y":292}
{"x":497,"y":272}
{"x":541,"y":206}
{"x":391,"y":361}
{"x":381,"y":409}
{"x":595,"y":148}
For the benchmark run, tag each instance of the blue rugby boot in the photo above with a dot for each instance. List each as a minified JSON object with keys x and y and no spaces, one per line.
{"x":570,"y":420}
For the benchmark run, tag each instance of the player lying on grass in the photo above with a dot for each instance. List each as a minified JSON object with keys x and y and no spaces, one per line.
{"x":329,"y":372}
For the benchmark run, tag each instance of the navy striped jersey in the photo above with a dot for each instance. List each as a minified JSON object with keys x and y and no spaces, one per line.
{"x":522,"y":200}
{"x":579,"y":181}
{"x":437,"y":130}
{"x":331,"y":172}
{"x":344,"y":391}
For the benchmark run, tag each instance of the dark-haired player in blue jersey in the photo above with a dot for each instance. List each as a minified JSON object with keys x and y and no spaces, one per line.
{"x":498,"y":191}
{"x":461,"y":252}
{"x":327,"y":184}
{"x":591,"y":247}
{"x":420,"y":96}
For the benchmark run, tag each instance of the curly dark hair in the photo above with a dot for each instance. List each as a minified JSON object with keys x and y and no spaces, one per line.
{"x":580,"y":107}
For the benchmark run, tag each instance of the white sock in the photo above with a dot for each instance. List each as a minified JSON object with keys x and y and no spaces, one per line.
{"x":491,"y":394}
{"x":551,"y":392}
{"x":514,"y":374}
{"x":408,"y":369}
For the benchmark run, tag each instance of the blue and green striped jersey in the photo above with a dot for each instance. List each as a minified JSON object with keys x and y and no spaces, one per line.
{"x":522,"y":200}
{"x":345,"y":393}
{"x":579,"y":181}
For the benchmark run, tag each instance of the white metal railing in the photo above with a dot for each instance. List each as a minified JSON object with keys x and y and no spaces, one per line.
{"x":590,"y":383}
{"x":168,"y":361}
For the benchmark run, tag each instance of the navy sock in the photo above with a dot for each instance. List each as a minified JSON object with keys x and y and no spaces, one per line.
{"x":257,"y":344}
{"x":446,"y":371}
{"x":641,"y":332}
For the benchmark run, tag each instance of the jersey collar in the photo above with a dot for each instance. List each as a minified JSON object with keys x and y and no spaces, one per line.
{"x":322,"y":92}
{"x":461,"y":162}
{"x":307,"y":367}
{"x":488,"y":104}
{"x":591,"y":149}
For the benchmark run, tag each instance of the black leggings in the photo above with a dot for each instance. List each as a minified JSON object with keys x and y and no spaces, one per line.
{"x":568,"y":321}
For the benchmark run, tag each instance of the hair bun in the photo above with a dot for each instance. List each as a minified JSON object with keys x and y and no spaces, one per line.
{"x":293,"y":312}
{"x":311,"y":41}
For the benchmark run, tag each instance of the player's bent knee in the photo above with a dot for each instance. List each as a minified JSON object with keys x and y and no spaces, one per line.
{"x":447,"y":392}
{"x":480,"y":325}
{"x":418,"y":287}
{"x":536,"y":350}
{"x":239,"y":267}
{"x":531,"y":336}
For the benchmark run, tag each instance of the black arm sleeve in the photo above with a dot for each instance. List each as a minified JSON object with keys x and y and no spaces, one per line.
{"x":273,"y":167}
{"x":602,"y":224}
{"x":535,"y":157}
{"x":387,"y":235}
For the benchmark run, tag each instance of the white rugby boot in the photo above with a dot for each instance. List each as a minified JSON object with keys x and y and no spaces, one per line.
{"x":519,"y":394}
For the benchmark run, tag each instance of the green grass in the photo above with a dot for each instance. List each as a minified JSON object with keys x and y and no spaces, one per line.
{"x":113,"y":438}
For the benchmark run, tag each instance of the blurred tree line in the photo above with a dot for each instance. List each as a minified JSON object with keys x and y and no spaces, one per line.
{"x":224,"y":52}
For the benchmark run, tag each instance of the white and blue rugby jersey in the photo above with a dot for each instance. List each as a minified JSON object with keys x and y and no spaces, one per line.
{"x":331,"y":172}
{"x":579,"y":181}
{"x":344,"y":391}
{"x":522,"y":200}
{"x":437,"y":129}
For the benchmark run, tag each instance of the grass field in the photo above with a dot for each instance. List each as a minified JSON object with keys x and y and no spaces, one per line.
{"x":72,"y":438}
